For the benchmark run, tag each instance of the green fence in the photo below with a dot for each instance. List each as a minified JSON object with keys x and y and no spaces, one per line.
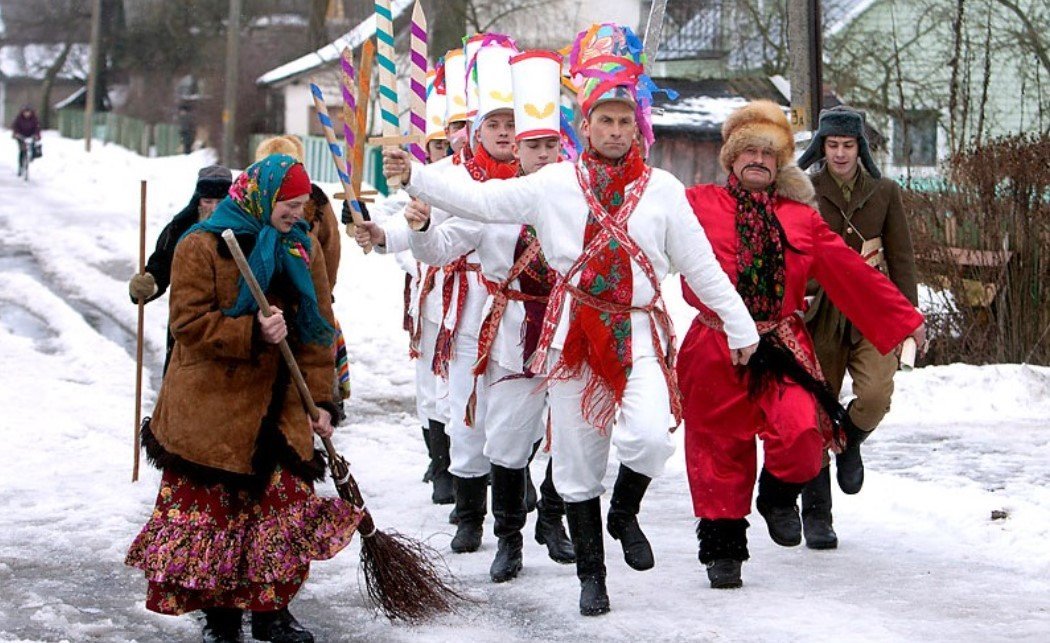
{"x":321,"y":167}
{"x":161,"y":139}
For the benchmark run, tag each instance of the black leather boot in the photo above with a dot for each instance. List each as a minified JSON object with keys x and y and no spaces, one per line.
{"x":723,"y":550}
{"x":531,"y":497}
{"x":816,"y":513}
{"x":623,"y":518}
{"x":470,"y":507}
{"x":428,"y":475}
{"x":279,"y":627}
{"x":549,"y":530}
{"x":585,"y":525}
{"x":221,"y":625}
{"x":777,"y":502}
{"x":849,"y":467}
{"x":441,"y":478}
{"x":508,"y":514}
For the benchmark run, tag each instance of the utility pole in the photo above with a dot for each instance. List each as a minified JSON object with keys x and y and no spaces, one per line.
{"x":229,"y":109}
{"x":805,"y":50}
{"x":92,"y":80}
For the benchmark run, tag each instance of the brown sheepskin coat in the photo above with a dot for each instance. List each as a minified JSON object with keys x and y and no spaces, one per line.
{"x":223,"y":378}
{"x":324,"y":224}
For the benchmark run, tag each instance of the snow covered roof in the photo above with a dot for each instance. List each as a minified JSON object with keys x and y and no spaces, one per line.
{"x":849,"y":14}
{"x":32,"y":61}
{"x":703,"y":105}
{"x":330,"y":52}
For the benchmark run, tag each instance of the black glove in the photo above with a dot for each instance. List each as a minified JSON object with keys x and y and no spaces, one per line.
{"x":347,"y":218}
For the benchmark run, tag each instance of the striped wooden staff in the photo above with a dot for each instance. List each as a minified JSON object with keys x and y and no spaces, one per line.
{"x":418,"y":96}
{"x":337,"y":157}
{"x":364,"y":96}
{"x":392,"y":136}
{"x":346,"y":84}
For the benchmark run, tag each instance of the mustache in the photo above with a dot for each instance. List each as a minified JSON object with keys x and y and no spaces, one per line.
{"x":757,"y":167}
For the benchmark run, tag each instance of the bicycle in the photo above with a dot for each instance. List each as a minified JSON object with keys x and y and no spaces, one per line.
{"x":26,"y":153}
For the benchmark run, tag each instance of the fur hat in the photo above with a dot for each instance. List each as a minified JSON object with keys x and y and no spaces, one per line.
{"x":288,"y":144}
{"x":760,"y":123}
{"x":840,"y":121}
{"x":213,"y":182}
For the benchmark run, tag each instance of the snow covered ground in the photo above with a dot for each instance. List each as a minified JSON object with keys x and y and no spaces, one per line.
{"x":921,"y":557}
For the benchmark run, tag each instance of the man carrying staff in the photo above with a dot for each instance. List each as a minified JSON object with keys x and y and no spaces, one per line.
{"x":868,"y":213}
{"x":519,"y":280}
{"x":770,"y":243}
{"x":612,"y":227}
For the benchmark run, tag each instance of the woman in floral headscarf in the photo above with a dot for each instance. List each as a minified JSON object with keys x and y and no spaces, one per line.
{"x":236,"y":522}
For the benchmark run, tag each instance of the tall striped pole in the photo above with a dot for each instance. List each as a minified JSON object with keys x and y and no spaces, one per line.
{"x":418,"y":97}
{"x":337,"y":155}
{"x":347,"y":86}
{"x":388,"y":84}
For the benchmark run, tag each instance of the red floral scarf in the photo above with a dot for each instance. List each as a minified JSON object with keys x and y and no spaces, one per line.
{"x":483,"y":167}
{"x":603,"y":340}
{"x":760,"y":252}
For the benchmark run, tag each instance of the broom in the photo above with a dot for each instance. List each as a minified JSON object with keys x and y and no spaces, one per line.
{"x":401,"y":579}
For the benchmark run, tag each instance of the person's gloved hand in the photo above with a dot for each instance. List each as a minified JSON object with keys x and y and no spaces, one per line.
{"x":142,"y":287}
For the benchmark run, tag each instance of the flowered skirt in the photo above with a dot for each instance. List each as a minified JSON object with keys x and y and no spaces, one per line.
{"x":213,"y":546}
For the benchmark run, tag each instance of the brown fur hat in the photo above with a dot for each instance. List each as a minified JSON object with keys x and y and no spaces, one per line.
{"x":289,"y":144}
{"x":759,"y":123}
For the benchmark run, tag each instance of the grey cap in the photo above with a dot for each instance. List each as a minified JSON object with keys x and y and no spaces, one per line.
{"x":215,"y":173}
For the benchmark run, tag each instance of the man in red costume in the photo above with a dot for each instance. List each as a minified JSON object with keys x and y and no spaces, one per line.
{"x":770,"y":241}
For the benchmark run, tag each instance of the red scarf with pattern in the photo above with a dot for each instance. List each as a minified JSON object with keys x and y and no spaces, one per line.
{"x":603,"y":340}
{"x":483,"y":167}
{"x":760,"y":251}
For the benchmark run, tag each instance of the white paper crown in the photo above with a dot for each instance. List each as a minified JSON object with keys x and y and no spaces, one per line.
{"x":455,"y":86}
{"x":536,"y":77}
{"x":471,"y":49}
{"x":435,"y":110}
{"x":495,"y":89}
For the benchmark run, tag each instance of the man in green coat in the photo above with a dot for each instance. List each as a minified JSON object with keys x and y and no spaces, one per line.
{"x":868,"y":212}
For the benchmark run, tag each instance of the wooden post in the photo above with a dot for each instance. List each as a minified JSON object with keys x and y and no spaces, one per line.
{"x":89,"y":105}
{"x":139,"y":339}
{"x":229,"y":109}
{"x":805,"y":51}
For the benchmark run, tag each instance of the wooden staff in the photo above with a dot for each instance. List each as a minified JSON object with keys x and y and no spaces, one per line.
{"x":364,"y":96}
{"x":388,"y":87}
{"x":139,"y":338}
{"x":401,"y":579}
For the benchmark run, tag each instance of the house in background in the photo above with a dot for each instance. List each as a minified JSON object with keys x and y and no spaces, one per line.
{"x":24,"y":68}
{"x":1001,"y":88}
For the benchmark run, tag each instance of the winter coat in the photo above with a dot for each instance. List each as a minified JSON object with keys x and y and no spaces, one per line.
{"x":325,"y":226}
{"x":159,"y":264}
{"x":875,"y":209}
{"x":227,"y":401}
{"x":26,"y":127}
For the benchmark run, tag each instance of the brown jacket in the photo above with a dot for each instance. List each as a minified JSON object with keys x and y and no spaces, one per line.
{"x":221,"y":380}
{"x":325,"y":226}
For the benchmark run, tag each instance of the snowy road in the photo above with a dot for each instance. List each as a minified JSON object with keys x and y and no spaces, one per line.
{"x":921,"y":557}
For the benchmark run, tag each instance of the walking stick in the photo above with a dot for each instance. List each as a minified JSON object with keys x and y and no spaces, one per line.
{"x":139,"y":339}
{"x":401,"y":579}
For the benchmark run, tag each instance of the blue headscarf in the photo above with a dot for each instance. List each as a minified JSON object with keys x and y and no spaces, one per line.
{"x":247,"y":211}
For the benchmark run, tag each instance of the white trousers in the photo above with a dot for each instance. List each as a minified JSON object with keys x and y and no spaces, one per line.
{"x":431,"y":390}
{"x":514,"y":416}
{"x":640,"y":432}
{"x":468,"y":442}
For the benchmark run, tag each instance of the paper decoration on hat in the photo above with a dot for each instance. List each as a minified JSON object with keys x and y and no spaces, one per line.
{"x":435,"y":109}
{"x":536,"y":77}
{"x":495,"y":89}
{"x":475,"y":44}
{"x":455,"y":86}
{"x":607,"y":62}
{"x":571,"y":148}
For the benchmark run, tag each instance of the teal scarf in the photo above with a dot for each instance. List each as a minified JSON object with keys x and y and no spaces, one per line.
{"x":247,"y":211}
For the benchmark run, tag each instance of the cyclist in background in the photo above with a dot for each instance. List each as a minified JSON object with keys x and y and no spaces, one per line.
{"x":26,"y":130}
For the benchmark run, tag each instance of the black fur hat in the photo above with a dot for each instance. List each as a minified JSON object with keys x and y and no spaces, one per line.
{"x":840,"y":121}
{"x":213,"y":182}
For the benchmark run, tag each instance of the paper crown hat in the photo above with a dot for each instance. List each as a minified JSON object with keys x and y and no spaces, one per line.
{"x":473,"y":47}
{"x":435,"y":109}
{"x":607,"y":63}
{"x":455,"y":82}
{"x":536,"y":78}
{"x":495,"y":88}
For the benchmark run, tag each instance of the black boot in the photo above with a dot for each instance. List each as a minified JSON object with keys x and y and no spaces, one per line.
{"x":441,"y":478}
{"x":453,"y":517}
{"x":279,"y":627}
{"x":849,"y":467}
{"x":549,"y":530}
{"x":221,"y":625}
{"x":508,"y":513}
{"x":585,"y":525}
{"x":470,"y":507}
{"x":777,"y":502}
{"x":428,"y":475}
{"x":531,"y":498}
{"x":623,"y":518}
{"x":816,"y":512}
{"x":723,"y":549}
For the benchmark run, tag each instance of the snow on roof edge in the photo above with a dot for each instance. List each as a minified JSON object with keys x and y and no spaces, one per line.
{"x":351,"y":39}
{"x":849,"y":17}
